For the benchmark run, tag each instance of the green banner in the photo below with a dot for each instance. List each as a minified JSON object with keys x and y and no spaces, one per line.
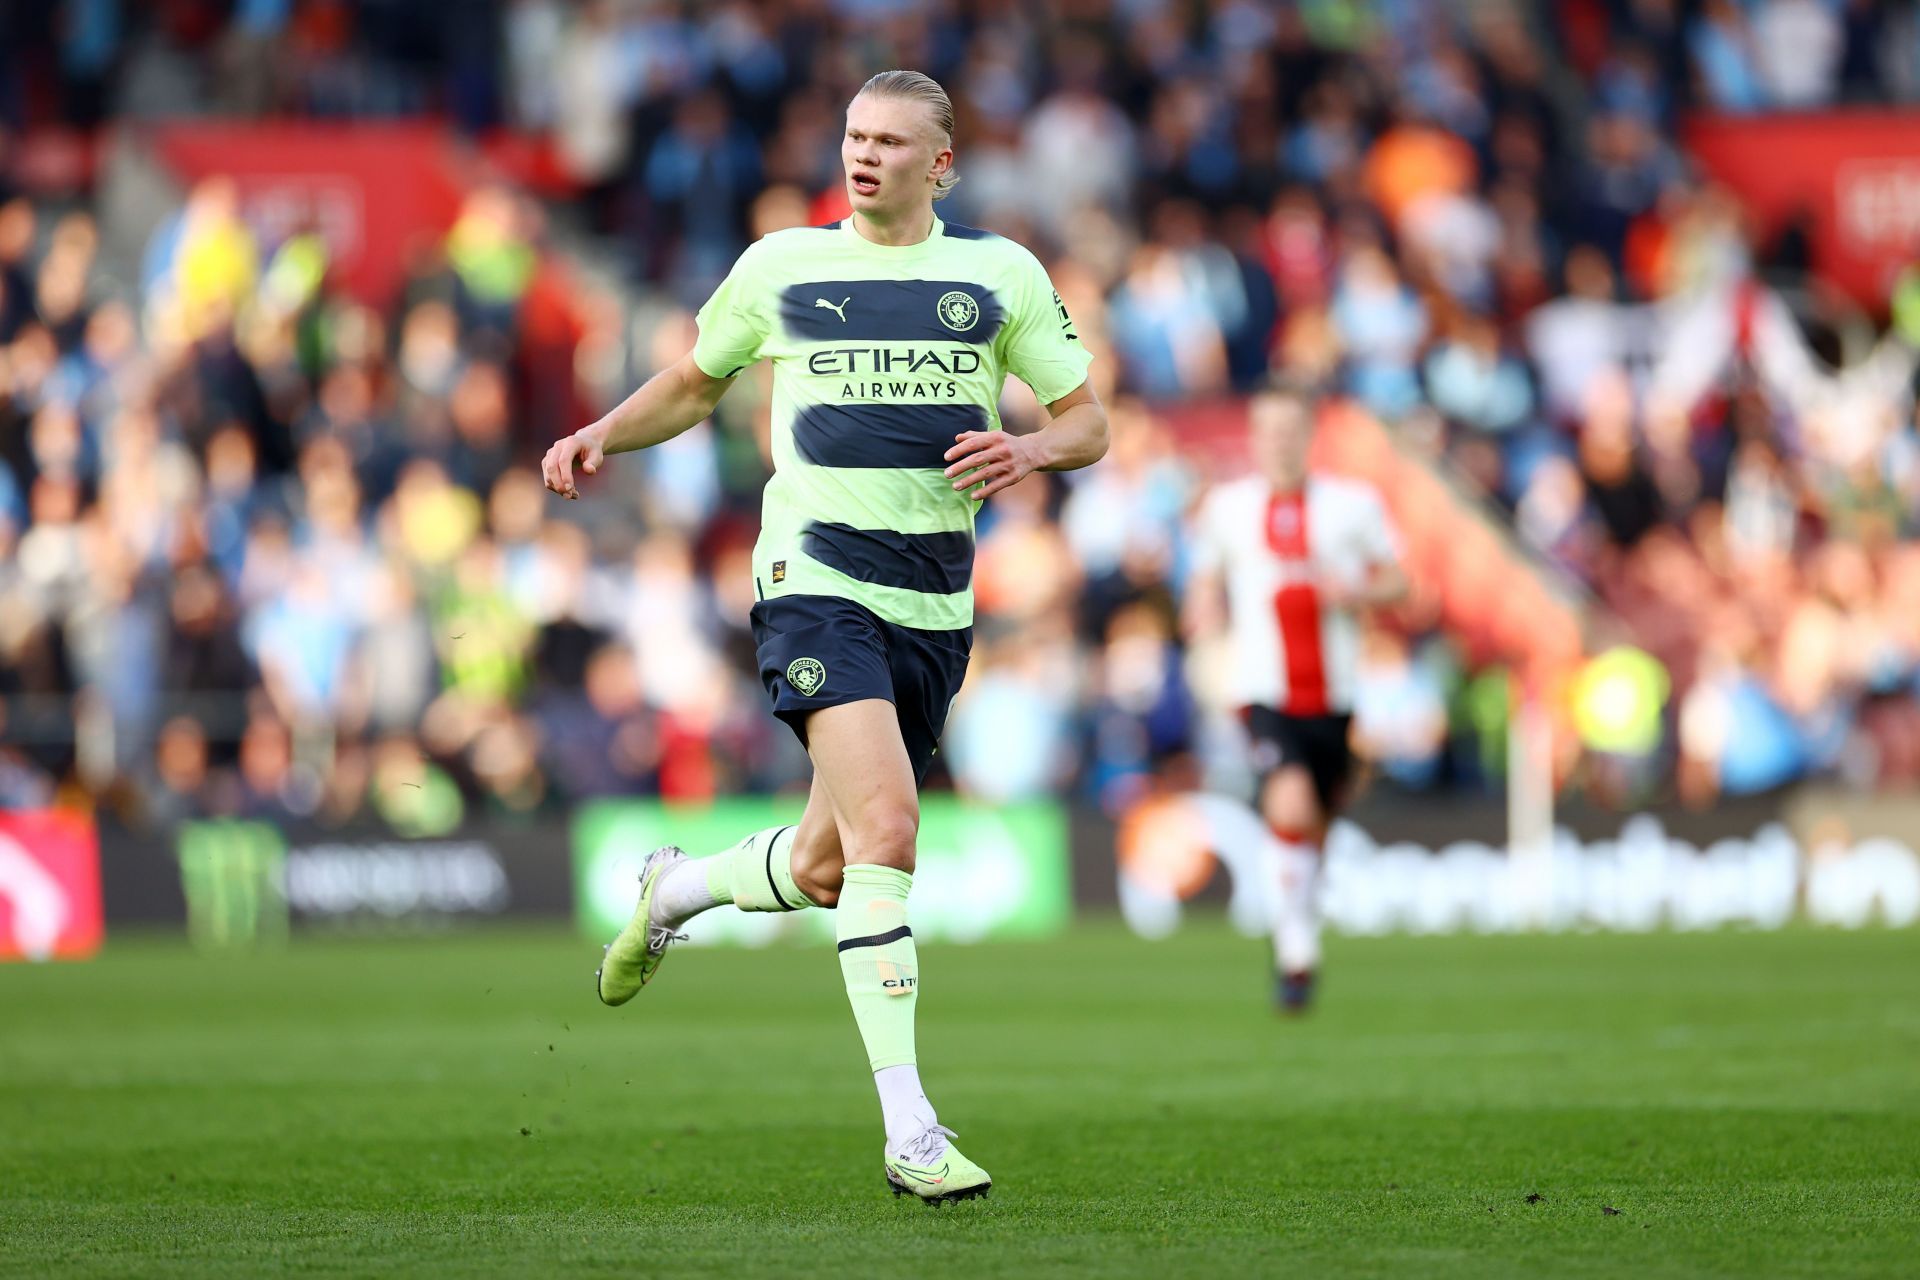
{"x":234,"y":876}
{"x":984,"y":871}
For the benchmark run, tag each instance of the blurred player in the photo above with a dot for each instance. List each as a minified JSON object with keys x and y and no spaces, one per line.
{"x":1288,"y":560}
{"x":891,"y":334}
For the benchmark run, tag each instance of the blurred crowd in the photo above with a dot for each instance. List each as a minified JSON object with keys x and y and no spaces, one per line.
{"x":267,"y":551}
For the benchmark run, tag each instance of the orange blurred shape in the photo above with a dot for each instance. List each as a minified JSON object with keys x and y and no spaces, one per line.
{"x":1165,"y":844}
{"x":1412,"y":161}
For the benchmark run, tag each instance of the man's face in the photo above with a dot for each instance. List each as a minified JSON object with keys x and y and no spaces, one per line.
{"x":891,"y":151}
{"x":1281,"y":432}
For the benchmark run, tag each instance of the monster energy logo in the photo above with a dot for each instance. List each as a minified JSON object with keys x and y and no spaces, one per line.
{"x":234,"y":876}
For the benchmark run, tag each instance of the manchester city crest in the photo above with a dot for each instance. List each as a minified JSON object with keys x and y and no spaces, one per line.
{"x":806,"y":675}
{"x":958,"y":311}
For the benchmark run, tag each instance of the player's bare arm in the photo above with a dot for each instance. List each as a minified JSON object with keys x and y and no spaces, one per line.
{"x":1203,"y":612}
{"x":1384,"y":585}
{"x":677,"y":398}
{"x":1075,"y":436}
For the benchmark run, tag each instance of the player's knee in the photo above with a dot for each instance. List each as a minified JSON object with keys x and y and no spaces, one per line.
{"x":1290,"y":804}
{"x":884,"y":835}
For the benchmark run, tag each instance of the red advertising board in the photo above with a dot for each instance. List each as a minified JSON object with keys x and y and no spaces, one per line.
{"x":49,"y":885}
{"x":1856,"y":175}
{"x":373,"y":192}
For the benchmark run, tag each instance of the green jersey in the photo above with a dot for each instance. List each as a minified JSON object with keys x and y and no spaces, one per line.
{"x":881,"y":356}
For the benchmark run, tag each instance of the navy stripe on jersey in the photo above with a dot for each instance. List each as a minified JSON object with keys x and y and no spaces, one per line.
{"x":954,"y":231}
{"x":890,"y":310}
{"x":882,"y":435}
{"x":937,"y":563}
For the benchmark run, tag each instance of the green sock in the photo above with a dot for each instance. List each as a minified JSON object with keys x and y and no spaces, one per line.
{"x":878,"y":961}
{"x":757,"y":873}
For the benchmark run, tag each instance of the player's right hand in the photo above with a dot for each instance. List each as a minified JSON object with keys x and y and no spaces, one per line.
{"x":557,"y":467}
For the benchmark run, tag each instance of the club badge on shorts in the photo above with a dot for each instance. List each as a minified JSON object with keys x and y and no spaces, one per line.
{"x":806,"y":675}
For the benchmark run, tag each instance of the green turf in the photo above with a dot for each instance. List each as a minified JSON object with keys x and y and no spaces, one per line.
{"x":1749,"y":1103}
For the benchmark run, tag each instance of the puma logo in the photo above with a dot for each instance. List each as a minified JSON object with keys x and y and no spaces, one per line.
{"x":838,"y":310}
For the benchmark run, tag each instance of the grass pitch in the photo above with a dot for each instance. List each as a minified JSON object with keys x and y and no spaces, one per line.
{"x":1681,"y":1105}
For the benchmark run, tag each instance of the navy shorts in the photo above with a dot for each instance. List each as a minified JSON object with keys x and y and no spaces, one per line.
{"x":1318,"y":744}
{"x":821,"y":651}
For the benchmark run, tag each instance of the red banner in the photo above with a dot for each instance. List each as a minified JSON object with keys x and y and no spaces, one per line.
{"x":373,"y":192}
{"x":49,"y":885}
{"x":1855,"y":175}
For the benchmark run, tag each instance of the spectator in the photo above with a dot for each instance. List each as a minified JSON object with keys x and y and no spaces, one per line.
{"x":1798,"y":45}
{"x":1381,"y":326}
{"x":1725,"y":58}
{"x":1084,"y":146}
{"x":1009,"y":738}
{"x":1399,"y":711}
{"x":1618,"y":484}
{"x":490,"y":251}
{"x":1476,"y":383}
{"x":699,"y":179}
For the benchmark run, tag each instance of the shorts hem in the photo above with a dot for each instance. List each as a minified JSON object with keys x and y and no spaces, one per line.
{"x":795,"y":718}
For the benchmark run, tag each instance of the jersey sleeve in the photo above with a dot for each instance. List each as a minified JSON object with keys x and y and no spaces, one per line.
{"x":734,"y":321}
{"x":1381,"y":539}
{"x":1043,"y":351}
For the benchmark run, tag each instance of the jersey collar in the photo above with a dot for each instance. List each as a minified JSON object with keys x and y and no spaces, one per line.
{"x":865,"y":245}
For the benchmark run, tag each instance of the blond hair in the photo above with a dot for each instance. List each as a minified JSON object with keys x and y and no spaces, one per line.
{"x":915,"y":87}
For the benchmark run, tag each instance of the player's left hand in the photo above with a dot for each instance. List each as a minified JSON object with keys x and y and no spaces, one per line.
{"x":1335,"y":593}
{"x":991,"y":460}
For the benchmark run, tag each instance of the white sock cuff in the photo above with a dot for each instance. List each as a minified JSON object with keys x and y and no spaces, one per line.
{"x":1296,"y":853}
{"x":903,"y":1104}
